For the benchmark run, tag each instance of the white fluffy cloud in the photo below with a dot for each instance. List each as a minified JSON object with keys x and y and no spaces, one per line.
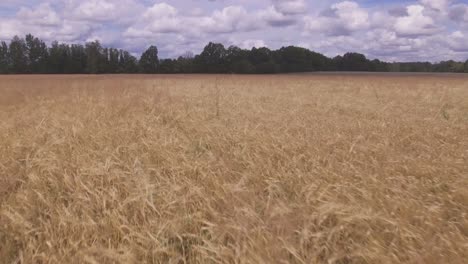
{"x":9,"y":28}
{"x":457,"y":41}
{"x":228,"y":20}
{"x":162,"y":18}
{"x":43,"y":15}
{"x":340,"y":19}
{"x":410,"y":30}
{"x":249,"y":43}
{"x":95,"y":10}
{"x":115,"y":11}
{"x":351,"y":15}
{"x":459,"y":13}
{"x":440,"y":5}
{"x":416,"y":23}
{"x":290,"y":6}
{"x":275,"y":18}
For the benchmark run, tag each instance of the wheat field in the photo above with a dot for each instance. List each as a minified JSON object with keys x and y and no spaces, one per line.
{"x":234,"y":169}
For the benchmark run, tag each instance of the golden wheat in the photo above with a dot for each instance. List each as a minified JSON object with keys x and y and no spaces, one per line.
{"x":234,"y":169}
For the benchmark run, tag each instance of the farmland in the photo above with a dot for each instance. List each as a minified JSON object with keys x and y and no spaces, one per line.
{"x":234,"y":169}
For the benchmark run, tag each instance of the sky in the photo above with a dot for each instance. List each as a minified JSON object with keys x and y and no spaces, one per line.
{"x":411,"y":30}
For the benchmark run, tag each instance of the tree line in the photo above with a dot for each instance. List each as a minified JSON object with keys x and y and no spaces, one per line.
{"x":30,"y":55}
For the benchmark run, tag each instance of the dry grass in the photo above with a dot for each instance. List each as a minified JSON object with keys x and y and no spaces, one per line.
{"x":229,"y":169}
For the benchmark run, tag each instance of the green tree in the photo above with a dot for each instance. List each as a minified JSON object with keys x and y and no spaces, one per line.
{"x":113,"y":61}
{"x":185,"y":63}
{"x":59,"y":58}
{"x":238,"y":60}
{"x":18,"y":55}
{"x":168,"y":66}
{"x":297,"y":59}
{"x":294,"y":59}
{"x":127,"y":63}
{"x":242,"y":66}
{"x":4,"y":58}
{"x":449,"y":66}
{"x":353,"y":62}
{"x":263,"y":61}
{"x":94,"y":57}
{"x":149,"y":60}
{"x":104,"y":62}
{"x":77,"y":62}
{"x":31,"y":55}
{"x":37,"y":54}
{"x":212,"y":59}
{"x":378,"y":66}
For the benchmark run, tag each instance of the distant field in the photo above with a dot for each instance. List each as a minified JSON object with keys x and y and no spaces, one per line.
{"x":234,"y":169}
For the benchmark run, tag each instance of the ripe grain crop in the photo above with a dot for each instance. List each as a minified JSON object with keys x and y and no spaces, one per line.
{"x":234,"y":169}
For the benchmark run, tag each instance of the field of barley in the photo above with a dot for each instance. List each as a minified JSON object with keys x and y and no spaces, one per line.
{"x":234,"y":169}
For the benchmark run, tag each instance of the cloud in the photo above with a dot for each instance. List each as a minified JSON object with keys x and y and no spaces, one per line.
{"x":162,"y":18}
{"x":457,"y":41}
{"x":95,"y":10}
{"x":69,"y":31}
{"x":290,"y":6}
{"x":351,"y":14}
{"x":440,"y":5}
{"x":103,"y":11}
{"x":383,"y":42}
{"x":228,"y":20}
{"x":459,"y":13}
{"x":399,"y":11}
{"x":401,"y":30}
{"x":275,"y":18}
{"x":9,"y":28}
{"x":160,"y":10}
{"x":416,"y":23}
{"x":249,"y":43}
{"x":341,"y":18}
{"x":43,"y":15}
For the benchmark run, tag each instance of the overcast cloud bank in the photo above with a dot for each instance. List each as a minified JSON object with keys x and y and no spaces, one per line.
{"x":421,"y":30}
